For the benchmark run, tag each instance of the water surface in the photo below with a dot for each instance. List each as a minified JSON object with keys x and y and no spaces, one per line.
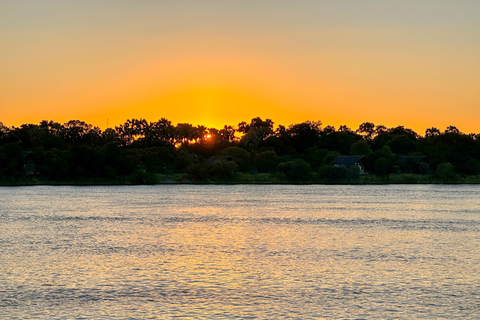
{"x":240,"y":252}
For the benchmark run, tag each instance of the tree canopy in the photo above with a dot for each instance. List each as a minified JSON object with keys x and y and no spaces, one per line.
{"x":137,"y":150}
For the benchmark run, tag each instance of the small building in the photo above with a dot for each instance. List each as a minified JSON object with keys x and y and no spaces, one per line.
{"x":350,"y":161}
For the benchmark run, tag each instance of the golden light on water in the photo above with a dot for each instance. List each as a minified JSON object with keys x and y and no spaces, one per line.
{"x":259,"y":251}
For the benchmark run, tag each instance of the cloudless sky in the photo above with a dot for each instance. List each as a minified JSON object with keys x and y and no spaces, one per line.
{"x":409,"y":62}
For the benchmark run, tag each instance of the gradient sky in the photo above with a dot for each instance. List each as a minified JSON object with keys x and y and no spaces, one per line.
{"x":409,"y":62}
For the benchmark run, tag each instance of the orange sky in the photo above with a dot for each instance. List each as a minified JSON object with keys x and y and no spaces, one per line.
{"x":411,"y":63}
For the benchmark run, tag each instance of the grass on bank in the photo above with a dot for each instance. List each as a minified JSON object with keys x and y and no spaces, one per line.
{"x":142,"y":178}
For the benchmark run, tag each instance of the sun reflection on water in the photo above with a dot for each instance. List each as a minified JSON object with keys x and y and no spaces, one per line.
{"x":238,"y":252}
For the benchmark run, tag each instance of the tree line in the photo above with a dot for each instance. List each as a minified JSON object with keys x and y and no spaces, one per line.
{"x":139,"y":151}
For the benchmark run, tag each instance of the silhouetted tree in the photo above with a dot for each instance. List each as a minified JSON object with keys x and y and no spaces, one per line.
{"x":452,"y":129}
{"x":11,"y":161}
{"x":3,"y":128}
{"x":402,"y":144}
{"x":296,"y":170}
{"x":137,"y":150}
{"x":379,"y":129}
{"x":79,"y":132}
{"x":360,"y":148}
{"x":366,"y":130}
{"x":162,"y":131}
{"x":328,"y":130}
{"x":264,"y":128}
{"x":184,"y":134}
{"x":305,"y":134}
{"x":227,"y":134}
{"x":344,"y":128}
{"x":432,"y":132}
{"x":402,"y":131}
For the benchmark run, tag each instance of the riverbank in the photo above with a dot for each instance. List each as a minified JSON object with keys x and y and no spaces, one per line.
{"x":246,"y":178}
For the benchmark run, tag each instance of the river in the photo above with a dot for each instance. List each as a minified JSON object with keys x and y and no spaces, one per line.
{"x":240,"y":252}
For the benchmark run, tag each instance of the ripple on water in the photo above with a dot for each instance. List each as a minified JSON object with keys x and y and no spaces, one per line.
{"x":239,"y":252}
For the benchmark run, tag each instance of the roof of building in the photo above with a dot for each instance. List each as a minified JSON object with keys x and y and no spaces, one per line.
{"x":27,"y":154}
{"x":346,"y":161}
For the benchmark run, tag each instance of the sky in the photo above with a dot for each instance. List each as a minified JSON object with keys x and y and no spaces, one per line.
{"x":414,"y":63}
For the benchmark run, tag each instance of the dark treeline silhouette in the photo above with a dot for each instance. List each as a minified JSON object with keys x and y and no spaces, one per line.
{"x":150,"y":152}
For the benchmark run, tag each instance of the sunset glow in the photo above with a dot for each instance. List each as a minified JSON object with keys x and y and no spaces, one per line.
{"x":411,"y":63}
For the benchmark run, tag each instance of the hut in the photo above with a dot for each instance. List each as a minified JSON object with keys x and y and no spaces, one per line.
{"x":350,"y":161}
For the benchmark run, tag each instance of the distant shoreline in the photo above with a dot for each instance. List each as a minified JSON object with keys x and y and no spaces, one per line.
{"x":246,"y":179}
{"x":139,"y":152}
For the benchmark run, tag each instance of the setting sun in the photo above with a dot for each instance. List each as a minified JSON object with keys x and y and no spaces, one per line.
{"x":214,"y":64}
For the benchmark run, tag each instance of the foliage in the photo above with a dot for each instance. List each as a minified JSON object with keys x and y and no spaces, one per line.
{"x":446,"y":173}
{"x":296,"y":170}
{"x":11,"y":160}
{"x":383,"y":166}
{"x":361,"y":148}
{"x":330,"y":174}
{"x":139,"y":151}
{"x":222,"y":169}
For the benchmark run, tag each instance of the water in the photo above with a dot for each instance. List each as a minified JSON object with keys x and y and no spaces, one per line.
{"x":240,"y":252}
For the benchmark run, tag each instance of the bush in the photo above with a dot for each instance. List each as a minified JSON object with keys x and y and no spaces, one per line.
{"x":296,"y":170}
{"x":197,"y":172}
{"x":383,"y":166}
{"x":353,"y":173}
{"x":222,"y":169}
{"x":330,"y":173}
{"x":446,"y":172}
{"x":266,"y":161}
{"x":141,"y":176}
{"x":241,"y":156}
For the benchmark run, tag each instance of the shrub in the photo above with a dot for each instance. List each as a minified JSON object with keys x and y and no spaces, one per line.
{"x":331,"y":173}
{"x":383,"y":166}
{"x":296,"y":170}
{"x":222,"y":169}
{"x":197,"y":172}
{"x":446,"y":172}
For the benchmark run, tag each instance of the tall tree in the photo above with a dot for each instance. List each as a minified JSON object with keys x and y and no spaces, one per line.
{"x":366,"y":130}
{"x":432,"y":132}
{"x":452,"y":129}
{"x":162,"y":130}
{"x":184,"y":134}
{"x":305,"y":135}
{"x":262,"y":128}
